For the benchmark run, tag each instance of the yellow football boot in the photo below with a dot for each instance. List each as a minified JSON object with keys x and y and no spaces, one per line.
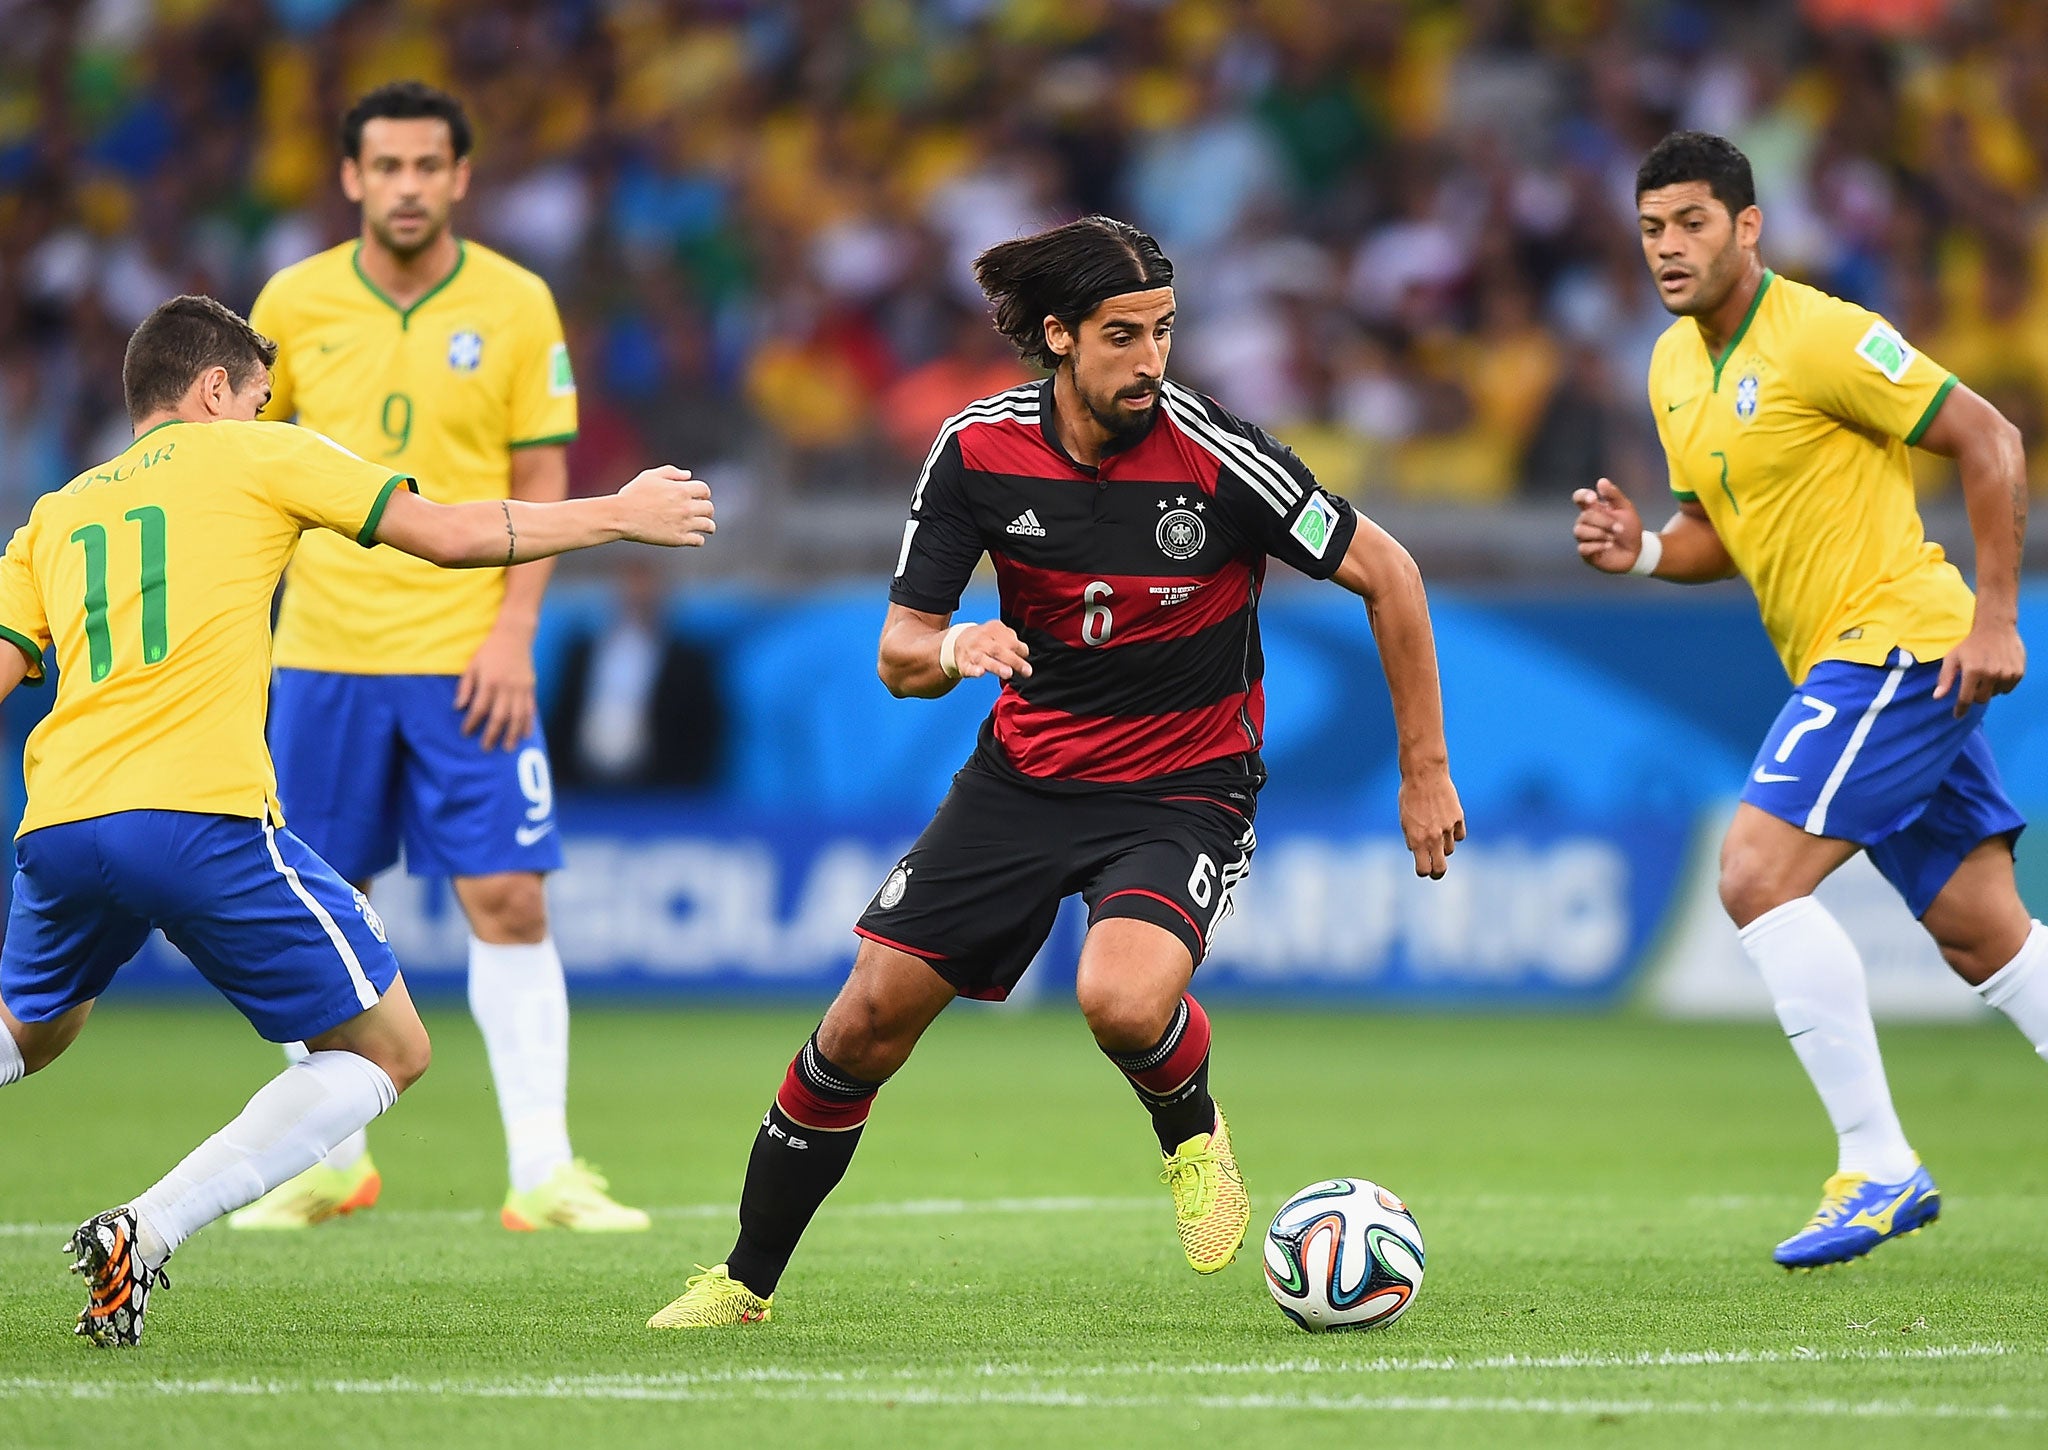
{"x":315,"y":1196}
{"x":713,"y":1298}
{"x":1210,"y":1206}
{"x":573,"y":1197}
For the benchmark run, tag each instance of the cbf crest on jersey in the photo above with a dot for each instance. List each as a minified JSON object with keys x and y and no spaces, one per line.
{"x":465,"y":351}
{"x":1745,"y":397}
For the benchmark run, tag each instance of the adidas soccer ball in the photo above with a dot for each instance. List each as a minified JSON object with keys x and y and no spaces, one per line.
{"x":1343,"y":1254}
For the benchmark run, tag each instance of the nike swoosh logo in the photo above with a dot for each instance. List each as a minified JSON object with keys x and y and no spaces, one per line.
{"x":527,"y":835}
{"x":1674,"y":407}
{"x":1770,"y":777}
{"x":1882,"y":1219}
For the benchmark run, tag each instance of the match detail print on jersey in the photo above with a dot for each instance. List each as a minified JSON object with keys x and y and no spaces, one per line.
{"x":1135,"y":584}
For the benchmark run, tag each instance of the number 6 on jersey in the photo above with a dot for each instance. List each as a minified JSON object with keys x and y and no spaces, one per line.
{"x":1095,"y":617}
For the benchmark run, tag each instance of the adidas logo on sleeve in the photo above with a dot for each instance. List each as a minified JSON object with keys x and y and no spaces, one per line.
{"x":1026,"y":525}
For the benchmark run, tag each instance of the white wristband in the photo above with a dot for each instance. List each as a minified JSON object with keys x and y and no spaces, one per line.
{"x":1652,"y":551}
{"x":949,"y":666}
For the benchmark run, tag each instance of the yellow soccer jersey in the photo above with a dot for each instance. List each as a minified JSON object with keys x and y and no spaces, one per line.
{"x":444,"y":391}
{"x":1795,"y":443}
{"x":153,"y":575}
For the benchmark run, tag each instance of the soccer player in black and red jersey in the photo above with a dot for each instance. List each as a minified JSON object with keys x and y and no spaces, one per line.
{"x":1130,"y":521}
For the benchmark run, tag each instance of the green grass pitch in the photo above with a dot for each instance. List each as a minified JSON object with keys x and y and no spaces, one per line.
{"x":1599,"y":1199}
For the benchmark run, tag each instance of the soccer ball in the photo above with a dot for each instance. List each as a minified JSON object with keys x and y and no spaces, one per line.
{"x":1343,"y":1254}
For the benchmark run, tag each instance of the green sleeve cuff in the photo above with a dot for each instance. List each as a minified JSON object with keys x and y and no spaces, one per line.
{"x":367,"y":534}
{"x":30,"y":648}
{"x":538,"y":442}
{"x":1927,"y":418}
{"x":1683,"y":497}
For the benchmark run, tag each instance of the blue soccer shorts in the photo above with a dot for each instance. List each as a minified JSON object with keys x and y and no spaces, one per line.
{"x":1865,"y":753}
{"x":294,"y":947}
{"x":365,"y":762}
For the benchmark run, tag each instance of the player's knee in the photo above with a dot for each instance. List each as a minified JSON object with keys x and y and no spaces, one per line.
{"x":860,"y":1036}
{"x":508,"y":908}
{"x":1749,"y":887}
{"x":1122,"y":1020}
{"x":408,"y":1056}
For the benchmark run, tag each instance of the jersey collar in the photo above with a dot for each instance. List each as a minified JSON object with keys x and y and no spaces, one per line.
{"x":1048,"y":428}
{"x":355,"y":260}
{"x":1741,"y":328}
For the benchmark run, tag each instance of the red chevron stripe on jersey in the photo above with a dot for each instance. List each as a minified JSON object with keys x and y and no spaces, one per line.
{"x":1119,"y":749}
{"x":1147,"y":606}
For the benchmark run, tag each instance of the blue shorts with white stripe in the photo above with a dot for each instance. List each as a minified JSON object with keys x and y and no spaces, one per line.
{"x":1865,"y":753}
{"x":269,"y":923}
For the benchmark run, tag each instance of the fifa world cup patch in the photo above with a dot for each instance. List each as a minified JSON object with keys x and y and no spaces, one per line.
{"x":1885,"y":350}
{"x":1314,"y":525}
{"x":561,"y":380}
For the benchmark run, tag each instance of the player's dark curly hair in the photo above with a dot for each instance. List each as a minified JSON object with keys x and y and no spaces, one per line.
{"x":405,"y":101}
{"x":182,"y":339}
{"x":1699,"y":156}
{"x":1066,"y":273}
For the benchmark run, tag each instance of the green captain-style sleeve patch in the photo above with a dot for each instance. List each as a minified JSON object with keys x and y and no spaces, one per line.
{"x":367,"y":534}
{"x":1948,"y":385}
{"x":29,"y":647}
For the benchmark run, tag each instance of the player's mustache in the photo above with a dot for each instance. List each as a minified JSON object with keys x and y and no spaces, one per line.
{"x":1141,"y":390}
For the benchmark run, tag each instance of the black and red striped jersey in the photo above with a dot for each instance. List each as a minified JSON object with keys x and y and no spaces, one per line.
{"x":1135,"y":584}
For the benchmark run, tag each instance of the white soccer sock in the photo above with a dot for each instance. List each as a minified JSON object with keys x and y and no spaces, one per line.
{"x":519,"y":1000}
{"x":2019,"y":989}
{"x":12,"y":1068}
{"x":1816,"y":982}
{"x":350,"y":1150}
{"x":295,"y":1118}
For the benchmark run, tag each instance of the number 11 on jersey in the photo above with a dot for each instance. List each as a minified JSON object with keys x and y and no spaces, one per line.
{"x":156,"y":633}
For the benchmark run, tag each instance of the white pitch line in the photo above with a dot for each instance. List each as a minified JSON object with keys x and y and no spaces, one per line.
{"x":618,"y":1389}
{"x":907,"y":1208}
{"x":922,"y":1382}
{"x":1451,"y":1364}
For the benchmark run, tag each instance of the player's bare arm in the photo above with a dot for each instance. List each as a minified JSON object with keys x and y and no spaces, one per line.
{"x":662,"y":506}
{"x":1378,"y":570}
{"x":1992,"y":467}
{"x":1609,"y":533}
{"x":13,"y":670}
{"x":497,"y":690}
{"x":912,"y":657}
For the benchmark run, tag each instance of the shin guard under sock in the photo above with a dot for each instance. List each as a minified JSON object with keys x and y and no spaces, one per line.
{"x":803,"y":1149}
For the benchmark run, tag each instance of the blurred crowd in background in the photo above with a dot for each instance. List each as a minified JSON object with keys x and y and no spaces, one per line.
{"x":1403,"y":228}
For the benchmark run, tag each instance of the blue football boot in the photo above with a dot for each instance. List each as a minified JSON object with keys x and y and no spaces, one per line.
{"x":1856,"y":1214}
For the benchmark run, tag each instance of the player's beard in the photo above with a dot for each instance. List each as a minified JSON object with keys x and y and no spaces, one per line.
{"x":406,"y":251}
{"x":1119,"y":422}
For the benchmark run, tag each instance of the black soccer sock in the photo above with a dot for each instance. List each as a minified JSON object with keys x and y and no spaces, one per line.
{"x":803,"y":1149}
{"x":1172,"y":1077}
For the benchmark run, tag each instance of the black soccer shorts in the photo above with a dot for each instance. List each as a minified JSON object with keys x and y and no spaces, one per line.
{"x":977,"y":895}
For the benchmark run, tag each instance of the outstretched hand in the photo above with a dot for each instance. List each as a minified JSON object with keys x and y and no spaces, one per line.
{"x":991,"y":649}
{"x":1609,"y":531}
{"x":666,"y":506}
